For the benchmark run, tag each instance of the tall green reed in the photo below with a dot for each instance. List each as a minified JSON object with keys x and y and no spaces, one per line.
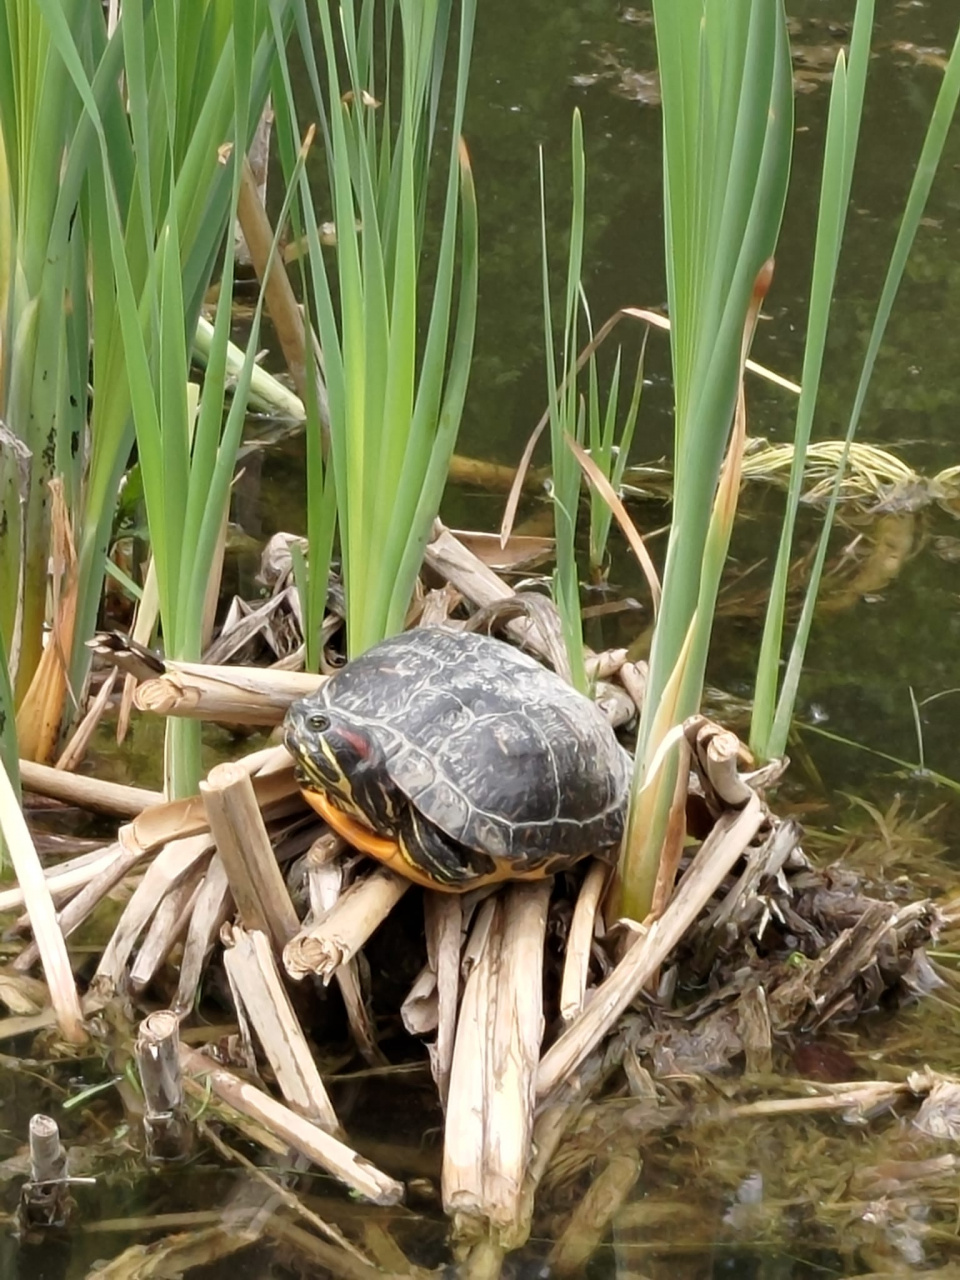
{"x":395,"y":398}
{"x":727,"y":126}
{"x":566,"y":409}
{"x":112,"y":142}
{"x":775,"y":697}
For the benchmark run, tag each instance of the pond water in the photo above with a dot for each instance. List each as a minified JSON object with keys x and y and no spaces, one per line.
{"x":768,"y":1199}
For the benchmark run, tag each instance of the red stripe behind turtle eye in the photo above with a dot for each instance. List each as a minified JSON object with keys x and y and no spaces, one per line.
{"x":356,"y":740}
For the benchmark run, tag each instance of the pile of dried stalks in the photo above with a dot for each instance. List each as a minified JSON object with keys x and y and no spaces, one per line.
{"x":528,"y":999}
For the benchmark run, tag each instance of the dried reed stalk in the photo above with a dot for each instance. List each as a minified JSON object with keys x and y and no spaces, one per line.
{"x":176,"y":819}
{"x":463,"y":1142}
{"x":717,"y":855}
{"x":36,"y":893}
{"x":166,"y":928}
{"x":576,"y":960}
{"x":605,"y":665}
{"x":76,"y":748}
{"x":718,"y":753}
{"x":244,"y":845}
{"x":615,"y":703}
{"x":87,"y":793}
{"x":40,"y":713}
{"x":444,"y":919}
{"x":278,"y":294}
{"x":515,"y":1052}
{"x":495,"y":1059}
{"x":314,"y":1143}
{"x":337,"y":938}
{"x":449,"y":558}
{"x":66,"y":877}
{"x":254,"y":977}
{"x":230,"y":695}
{"x":174,"y":864}
{"x":325,"y":883}
{"x":210,"y":910}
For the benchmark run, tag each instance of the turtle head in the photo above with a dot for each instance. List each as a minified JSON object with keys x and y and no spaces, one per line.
{"x":340,"y":756}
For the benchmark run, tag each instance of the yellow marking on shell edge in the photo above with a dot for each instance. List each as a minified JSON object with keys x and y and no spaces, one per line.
{"x":394,"y":854}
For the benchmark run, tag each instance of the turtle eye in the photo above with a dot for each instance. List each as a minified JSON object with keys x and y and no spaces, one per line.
{"x":319,"y":721}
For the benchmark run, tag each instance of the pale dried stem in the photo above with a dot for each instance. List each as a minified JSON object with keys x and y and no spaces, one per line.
{"x":46,"y":931}
{"x":516,"y":1033}
{"x":444,"y":920}
{"x":857,"y":1098}
{"x":339,"y":936}
{"x":718,"y":755}
{"x":463,"y":1143}
{"x":603,"y":666}
{"x":243,"y":843}
{"x":615,"y":703}
{"x":166,"y":928}
{"x":254,"y":977}
{"x":230,"y":695}
{"x":310,"y":1140}
{"x":449,"y":558}
{"x":576,"y":960}
{"x":66,"y":877}
{"x":87,"y":793}
{"x":76,"y":748}
{"x":717,"y":855}
{"x":210,"y":910}
{"x":358,"y":1015}
{"x":30,"y":1024}
{"x":487,"y":1144}
{"x":175,"y":863}
{"x":48,"y":1160}
{"x":278,"y":294}
{"x":178,"y":818}
{"x":325,"y":881}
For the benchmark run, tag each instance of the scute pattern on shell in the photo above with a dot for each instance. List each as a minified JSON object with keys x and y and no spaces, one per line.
{"x":495,"y":750}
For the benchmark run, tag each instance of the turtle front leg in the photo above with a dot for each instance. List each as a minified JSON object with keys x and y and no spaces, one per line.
{"x":437,"y":859}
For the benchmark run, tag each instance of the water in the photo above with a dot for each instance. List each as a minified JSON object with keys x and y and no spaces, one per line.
{"x":773,"y":1198}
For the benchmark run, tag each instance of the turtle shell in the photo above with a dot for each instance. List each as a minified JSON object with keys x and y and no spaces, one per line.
{"x":498,"y":752}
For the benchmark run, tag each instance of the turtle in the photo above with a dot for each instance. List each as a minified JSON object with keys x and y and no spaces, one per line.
{"x":459,"y":761}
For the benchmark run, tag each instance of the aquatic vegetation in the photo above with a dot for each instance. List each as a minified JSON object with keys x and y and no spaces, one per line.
{"x":725,"y":78}
{"x":395,"y":386}
{"x":117,"y":203}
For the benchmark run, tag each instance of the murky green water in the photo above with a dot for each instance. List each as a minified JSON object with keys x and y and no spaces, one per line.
{"x":892,"y":631}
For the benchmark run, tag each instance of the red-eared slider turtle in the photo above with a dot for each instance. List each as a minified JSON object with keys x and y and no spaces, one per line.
{"x":459,"y":761}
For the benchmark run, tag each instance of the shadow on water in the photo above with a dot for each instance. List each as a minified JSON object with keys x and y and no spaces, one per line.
{"x":786,"y":1197}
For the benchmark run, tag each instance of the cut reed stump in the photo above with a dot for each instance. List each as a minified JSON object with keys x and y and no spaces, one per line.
{"x":157,"y":1050}
{"x":45,"y":1201}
